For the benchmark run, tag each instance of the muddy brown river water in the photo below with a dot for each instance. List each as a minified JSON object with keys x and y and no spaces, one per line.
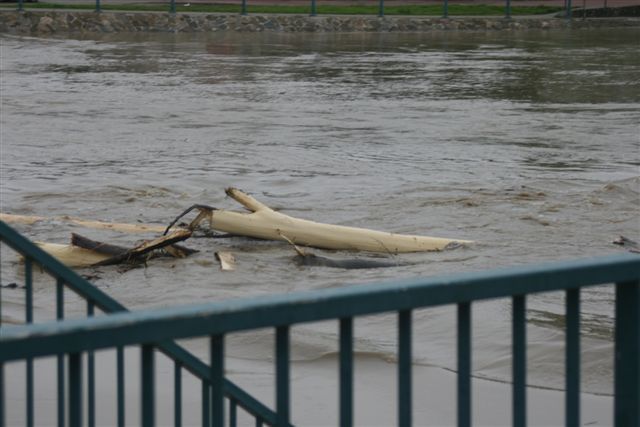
{"x":527,"y":143}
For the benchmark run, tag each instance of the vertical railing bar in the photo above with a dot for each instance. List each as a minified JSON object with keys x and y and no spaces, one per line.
{"x":217,"y":380}
{"x":0,"y":287}
{"x":314,"y":10}
{"x":28,"y":283}
{"x":91,"y":377}
{"x":2,"y":413}
{"x":519,"y":361}
{"x":259,"y":422}
{"x":60,"y":391}
{"x":507,"y":12}
{"x":381,"y":8}
{"x":60,"y":357}
{"x":75,"y":390}
{"x":206,"y":404}
{"x":172,"y":7}
{"x":282,"y":376}
{"x":627,"y":355}
{"x":148,"y":386}
{"x":233,"y":413}
{"x":120,"y":389}
{"x":346,"y":371}
{"x":98,"y":7}
{"x":177,"y":394}
{"x":568,"y":14}
{"x":30,"y":407}
{"x":464,"y":364}
{"x":572,"y":358}
{"x":404,"y":368}
{"x":20,"y":5}
{"x":243,"y":7}
{"x":445,"y":9}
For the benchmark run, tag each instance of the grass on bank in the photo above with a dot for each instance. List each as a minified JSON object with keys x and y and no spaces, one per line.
{"x":412,"y":10}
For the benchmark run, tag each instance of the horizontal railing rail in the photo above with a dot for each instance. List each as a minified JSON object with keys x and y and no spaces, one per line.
{"x":95,"y":298}
{"x":150,"y":328}
{"x":157,"y":325}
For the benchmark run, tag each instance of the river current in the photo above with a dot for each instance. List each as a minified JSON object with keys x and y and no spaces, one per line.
{"x":527,"y":143}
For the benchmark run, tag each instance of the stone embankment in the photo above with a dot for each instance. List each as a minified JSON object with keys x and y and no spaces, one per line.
{"x":42,"y":22}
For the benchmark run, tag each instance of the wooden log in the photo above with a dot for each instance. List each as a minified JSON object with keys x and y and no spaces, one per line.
{"x":138,"y":253}
{"x":84,"y":252}
{"x":100,"y":225}
{"x":265,"y":223}
{"x":73,"y":256}
{"x":100,"y":247}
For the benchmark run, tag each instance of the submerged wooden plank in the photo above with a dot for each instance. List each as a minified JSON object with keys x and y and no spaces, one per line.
{"x":100,"y":225}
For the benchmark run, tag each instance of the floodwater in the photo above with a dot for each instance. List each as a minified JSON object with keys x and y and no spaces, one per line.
{"x":527,"y":143}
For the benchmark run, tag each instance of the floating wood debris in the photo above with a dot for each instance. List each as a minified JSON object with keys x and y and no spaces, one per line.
{"x":631,"y":245}
{"x":100,"y":225}
{"x":84,"y":252}
{"x":261,"y":222}
{"x":264,"y":223}
{"x":72,"y":256}
{"x":227,"y":261}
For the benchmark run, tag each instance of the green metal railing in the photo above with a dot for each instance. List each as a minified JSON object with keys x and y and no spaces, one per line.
{"x":313,"y":9}
{"x":150,"y":328}
{"x":96,"y":299}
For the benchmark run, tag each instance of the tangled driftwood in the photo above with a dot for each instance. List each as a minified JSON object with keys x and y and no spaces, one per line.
{"x":264,"y":223}
{"x":84,"y":252}
{"x":261,"y":222}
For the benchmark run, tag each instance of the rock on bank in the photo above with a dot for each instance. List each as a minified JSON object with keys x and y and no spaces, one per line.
{"x":42,"y":22}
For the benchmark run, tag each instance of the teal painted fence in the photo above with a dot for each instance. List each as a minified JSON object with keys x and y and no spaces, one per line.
{"x":96,"y":299}
{"x":149,"y":329}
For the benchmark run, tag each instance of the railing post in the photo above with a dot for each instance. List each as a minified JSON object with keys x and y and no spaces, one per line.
{"x":243,"y":7}
{"x":172,"y":7}
{"x":91,"y":378}
{"x":507,"y":13}
{"x":464,"y":364}
{"x":404,"y":368}
{"x":381,"y":8}
{"x":519,"y":337}
{"x":568,"y":14}
{"x":314,"y":10}
{"x":20,"y":5}
{"x":572,"y":358}
{"x":627,"y":355}
{"x":282,"y":375}
{"x":98,"y":7}
{"x":445,"y":9}
{"x":61,"y":376}
{"x":346,"y":371}
{"x":120,"y":385}
{"x":28,"y":282}
{"x":206,"y":404}
{"x":233,"y":413}
{"x":75,"y":390}
{"x":2,"y":416}
{"x":177,"y":394}
{"x":217,"y":380}
{"x":148,"y":386}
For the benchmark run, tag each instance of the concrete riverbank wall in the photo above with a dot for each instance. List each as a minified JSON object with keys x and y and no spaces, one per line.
{"x":43,"y":22}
